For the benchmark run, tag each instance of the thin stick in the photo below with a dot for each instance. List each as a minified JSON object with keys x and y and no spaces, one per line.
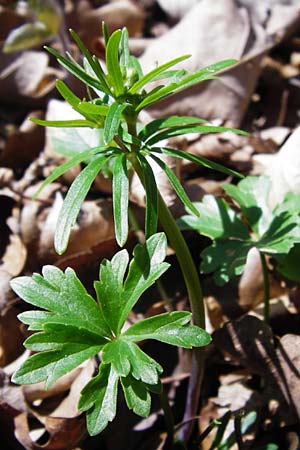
{"x":266,"y":287}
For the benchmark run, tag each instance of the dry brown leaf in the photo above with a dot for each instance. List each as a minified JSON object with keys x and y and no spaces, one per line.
{"x":176,"y":8}
{"x":203,"y":32}
{"x":11,"y":335}
{"x":116,"y":14}
{"x":32,"y":75}
{"x":251,"y":285}
{"x":283,"y":168}
{"x":12,"y":403}
{"x":23,"y":145}
{"x":249,"y":341}
{"x":64,"y":434}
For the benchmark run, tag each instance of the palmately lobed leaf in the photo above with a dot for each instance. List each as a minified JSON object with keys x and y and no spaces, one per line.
{"x":272,"y":232}
{"x":216,"y":220}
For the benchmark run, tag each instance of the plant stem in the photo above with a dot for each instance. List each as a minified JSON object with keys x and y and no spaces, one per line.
{"x":195,"y":295}
{"x":266,"y":287}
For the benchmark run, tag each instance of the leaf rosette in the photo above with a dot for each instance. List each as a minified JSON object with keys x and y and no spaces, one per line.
{"x":71,"y":327}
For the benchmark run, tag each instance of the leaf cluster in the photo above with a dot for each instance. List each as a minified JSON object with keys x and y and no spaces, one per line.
{"x":70,"y":327}
{"x":116,"y":95}
{"x":272,"y":231}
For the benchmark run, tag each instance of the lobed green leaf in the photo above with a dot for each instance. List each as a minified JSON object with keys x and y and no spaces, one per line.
{"x":215,"y":219}
{"x":137,"y":396}
{"x":171,"y":328}
{"x":99,"y":399}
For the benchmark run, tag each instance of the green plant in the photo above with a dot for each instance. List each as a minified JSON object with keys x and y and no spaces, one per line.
{"x":74,"y":327}
{"x":45,"y":20}
{"x":272,"y":231}
{"x":115,"y":99}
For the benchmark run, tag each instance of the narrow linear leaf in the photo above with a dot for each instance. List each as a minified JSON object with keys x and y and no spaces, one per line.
{"x":73,"y":202}
{"x":176,"y":75}
{"x":136,"y":66}
{"x":112,"y":63}
{"x":154,"y":73}
{"x":112,"y":121}
{"x":187,"y":81}
{"x":92,"y":109}
{"x":150,"y":186}
{"x":64,"y":123}
{"x":77,"y":71}
{"x":70,"y":97}
{"x":197,"y":159}
{"x":120,"y":199}
{"x":180,"y":130}
{"x":167,"y":122}
{"x":124,"y":53}
{"x":96,"y":67}
{"x":58,"y":171}
{"x":175,"y":183}
{"x":105,"y":33}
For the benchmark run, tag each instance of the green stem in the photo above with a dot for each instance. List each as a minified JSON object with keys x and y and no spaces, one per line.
{"x":195,"y":295}
{"x":266,"y":287}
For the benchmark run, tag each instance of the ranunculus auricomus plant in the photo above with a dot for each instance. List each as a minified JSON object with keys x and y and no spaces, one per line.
{"x":70,"y":326}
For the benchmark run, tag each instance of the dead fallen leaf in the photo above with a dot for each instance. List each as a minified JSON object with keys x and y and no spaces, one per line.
{"x":29,"y":138}
{"x":32,"y":74}
{"x":283,"y":168}
{"x":176,"y":8}
{"x":63,"y":434}
{"x":249,"y":39}
{"x":116,"y":14}
{"x":251,"y":286}
{"x":249,"y":341}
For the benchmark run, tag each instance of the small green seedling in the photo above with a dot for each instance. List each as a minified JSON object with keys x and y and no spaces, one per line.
{"x":73,"y":327}
{"x":272,"y":232}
